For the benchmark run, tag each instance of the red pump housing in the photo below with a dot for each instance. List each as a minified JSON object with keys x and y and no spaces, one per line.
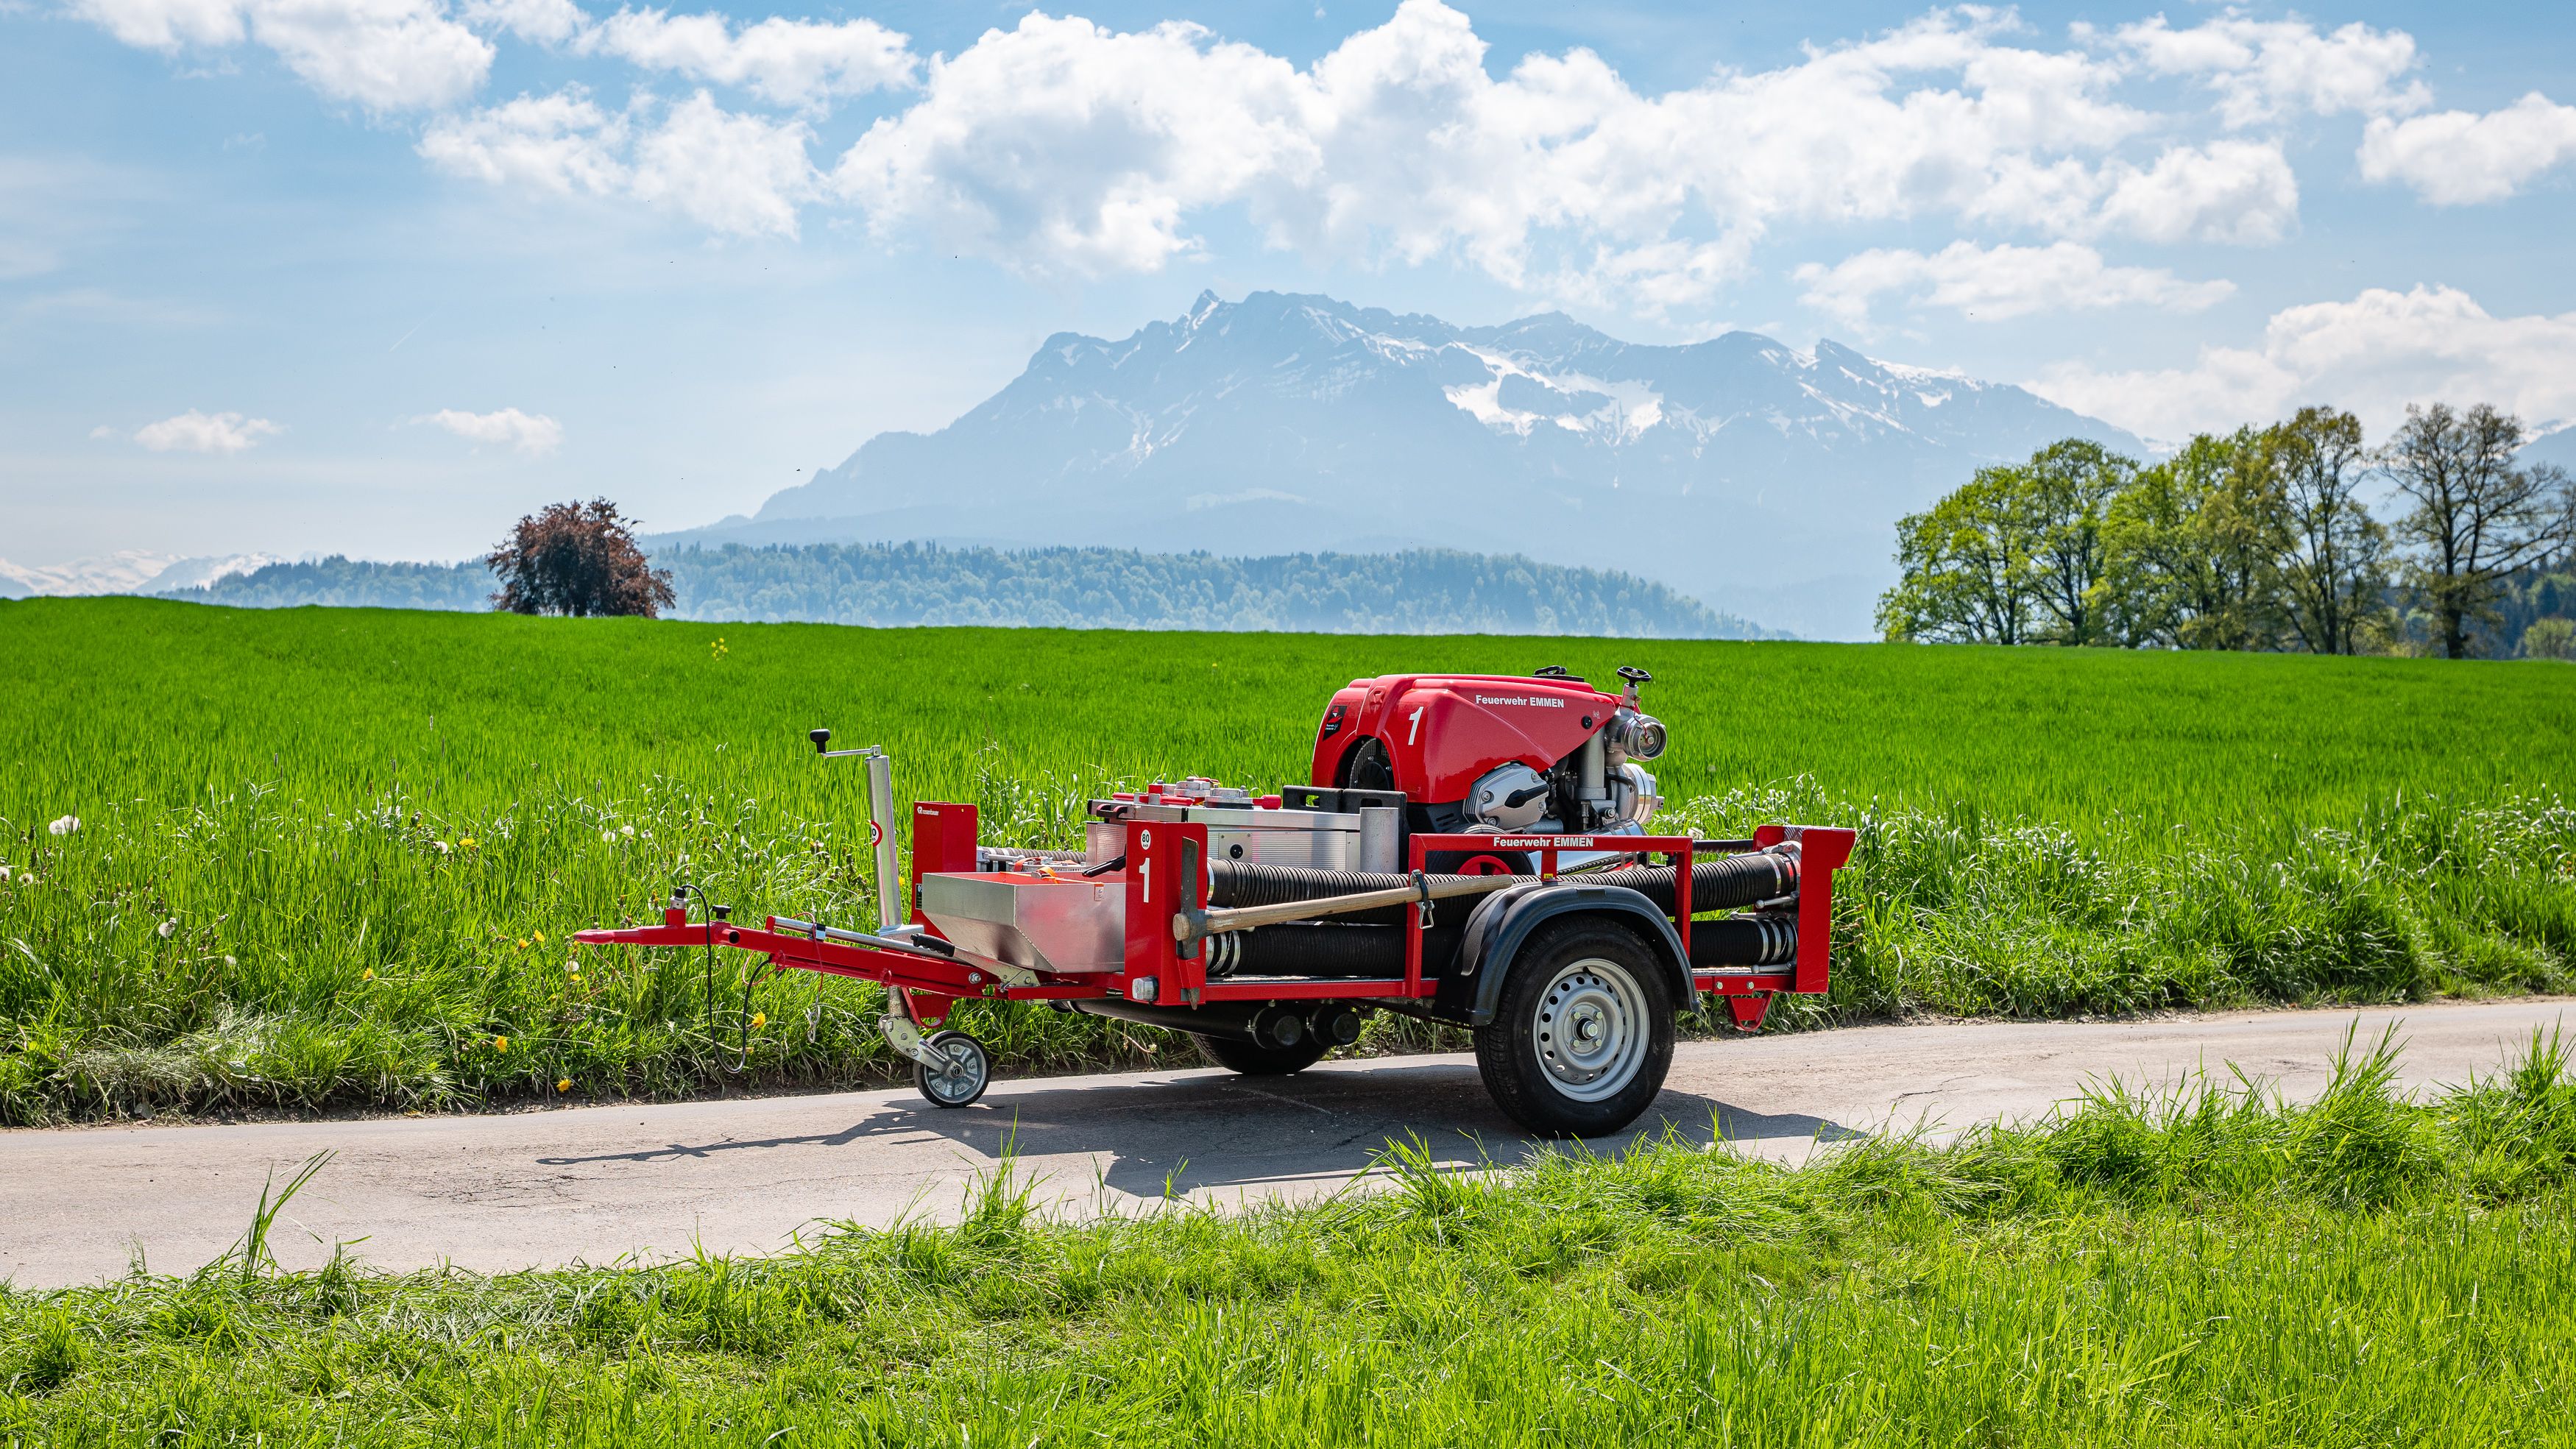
{"x":1441,"y":732}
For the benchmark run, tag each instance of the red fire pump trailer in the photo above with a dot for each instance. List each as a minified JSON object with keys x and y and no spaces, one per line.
{"x":1474,"y":849}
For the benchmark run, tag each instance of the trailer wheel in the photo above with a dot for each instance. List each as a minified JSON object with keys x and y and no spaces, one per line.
{"x":1583,"y":1034}
{"x":965,"y":1076}
{"x":1260,"y":1059}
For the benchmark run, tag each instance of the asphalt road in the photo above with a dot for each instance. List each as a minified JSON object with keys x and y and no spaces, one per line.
{"x":742,"y":1176}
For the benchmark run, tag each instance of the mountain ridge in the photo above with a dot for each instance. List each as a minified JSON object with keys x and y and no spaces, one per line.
{"x":1760,"y":478}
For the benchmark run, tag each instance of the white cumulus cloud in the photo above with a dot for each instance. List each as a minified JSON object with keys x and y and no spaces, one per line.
{"x":559,"y":143}
{"x":1061,"y":147}
{"x":2373,"y":355}
{"x":2265,"y":69}
{"x":1992,"y":283}
{"x":2229,"y":191}
{"x":2456,"y":157}
{"x":1064,"y":146}
{"x":533,"y":434}
{"x":196,"y":432}
{"x":727,"y":171}
{"x":386,"y":55}
{"x":546,"y":21}
{"x":167,"y":24}
{"x":789,"y":62}
{"x":731,"y":172}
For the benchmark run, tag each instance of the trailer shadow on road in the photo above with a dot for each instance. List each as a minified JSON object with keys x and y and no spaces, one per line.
{"x":1212,"y":1130}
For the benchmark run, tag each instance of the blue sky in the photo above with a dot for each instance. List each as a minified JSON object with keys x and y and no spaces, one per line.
{"x":379,"y":275}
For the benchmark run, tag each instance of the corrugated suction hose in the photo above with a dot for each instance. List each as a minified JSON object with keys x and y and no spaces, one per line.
{"x":1318,"y":948}
{"x":1727,"y":884}
{"x":1766,"y":939}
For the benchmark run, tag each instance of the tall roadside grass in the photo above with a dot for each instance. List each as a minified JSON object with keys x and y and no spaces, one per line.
{"x":327,"y":858}
{"x":2197,"y":1265}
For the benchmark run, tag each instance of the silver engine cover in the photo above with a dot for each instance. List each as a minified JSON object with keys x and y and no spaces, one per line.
{"x":1489,"y":800}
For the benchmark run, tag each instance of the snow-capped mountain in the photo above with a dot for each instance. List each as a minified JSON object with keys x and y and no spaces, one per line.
{"x":1762,"y":479}
{"x":127,"y":571}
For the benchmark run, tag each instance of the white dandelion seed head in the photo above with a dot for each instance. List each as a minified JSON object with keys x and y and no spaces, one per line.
{"x":65,"y":826}
{"x":167,"y":927}
{"x":442,"y":845}
{"x":626,"y":830}
{"x":608,"y":835}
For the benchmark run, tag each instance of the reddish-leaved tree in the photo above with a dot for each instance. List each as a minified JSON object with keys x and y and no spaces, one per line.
{"x":579,"y":559}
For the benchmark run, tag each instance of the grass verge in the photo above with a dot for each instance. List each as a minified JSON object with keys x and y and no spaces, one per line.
{"x":326,"y":859}
{"x":2203,"y":1266}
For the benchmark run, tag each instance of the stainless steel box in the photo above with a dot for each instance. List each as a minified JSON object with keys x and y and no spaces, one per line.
{"x":1061,"y":925}
{"x":1318,"y":839}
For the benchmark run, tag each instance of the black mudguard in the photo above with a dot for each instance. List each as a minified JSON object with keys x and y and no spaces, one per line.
{"x":1503,"y":921}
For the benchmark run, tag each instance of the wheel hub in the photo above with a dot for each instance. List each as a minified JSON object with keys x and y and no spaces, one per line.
{"x":956,"y":1073}
{"x":956,"y":1069}
{"x":1590,"y":1031}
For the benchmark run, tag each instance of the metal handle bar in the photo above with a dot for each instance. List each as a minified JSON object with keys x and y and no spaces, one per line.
{"x":1194,"y":925}
{"x":1014,"y":974}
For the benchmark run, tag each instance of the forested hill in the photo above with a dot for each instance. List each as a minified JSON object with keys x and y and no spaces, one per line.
{"x":1420,"y":592}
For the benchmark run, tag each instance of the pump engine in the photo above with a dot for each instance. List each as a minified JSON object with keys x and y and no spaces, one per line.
{"x":1497,"y":753}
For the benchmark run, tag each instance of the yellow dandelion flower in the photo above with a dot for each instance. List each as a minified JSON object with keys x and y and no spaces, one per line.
{"x":369,"y":975}
{"x":523,"y":943}
{"x":563,"y":1084}
{"x":759,"y":1019}
{"x":541,"y":938}
{"x":501,"y":1044}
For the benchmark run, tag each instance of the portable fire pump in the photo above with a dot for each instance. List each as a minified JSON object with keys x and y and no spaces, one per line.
{"x":1473,"y":849}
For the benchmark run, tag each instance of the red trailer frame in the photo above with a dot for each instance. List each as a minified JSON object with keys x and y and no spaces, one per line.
{"x":1166,"y":874}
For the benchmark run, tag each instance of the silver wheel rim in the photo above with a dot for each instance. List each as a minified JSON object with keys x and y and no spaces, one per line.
{"x":960,"y":1072}
{"x":1590,"y":1029}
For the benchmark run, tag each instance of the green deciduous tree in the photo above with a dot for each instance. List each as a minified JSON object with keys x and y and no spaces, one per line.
{"x":2015,"y":557}
{"x":2192,"y":548}
{"x":2549,"y":639}
{"x":2334,"y":560}
{"x":2069,"y":486}
{"x":2476,"y":517}
{"x":1971,"y":571}
{"x":2259,"y":539}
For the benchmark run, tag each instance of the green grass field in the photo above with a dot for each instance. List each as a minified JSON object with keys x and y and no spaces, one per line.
{"x":2203,"y":1268}
{"x":327,"y":858}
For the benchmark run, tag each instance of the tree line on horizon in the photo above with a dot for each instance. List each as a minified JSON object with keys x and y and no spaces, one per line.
{"x":2260,"y":539}
{"x":909,"y":584}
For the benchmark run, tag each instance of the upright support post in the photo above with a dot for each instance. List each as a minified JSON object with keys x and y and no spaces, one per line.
{"x":890,"y":912}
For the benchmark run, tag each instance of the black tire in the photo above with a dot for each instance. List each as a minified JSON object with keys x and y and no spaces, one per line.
{"x":969,"y":1073}
{"x":1369,"y":765}
{"x":1579,"y":974}
{"x":1258,"y":1059}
